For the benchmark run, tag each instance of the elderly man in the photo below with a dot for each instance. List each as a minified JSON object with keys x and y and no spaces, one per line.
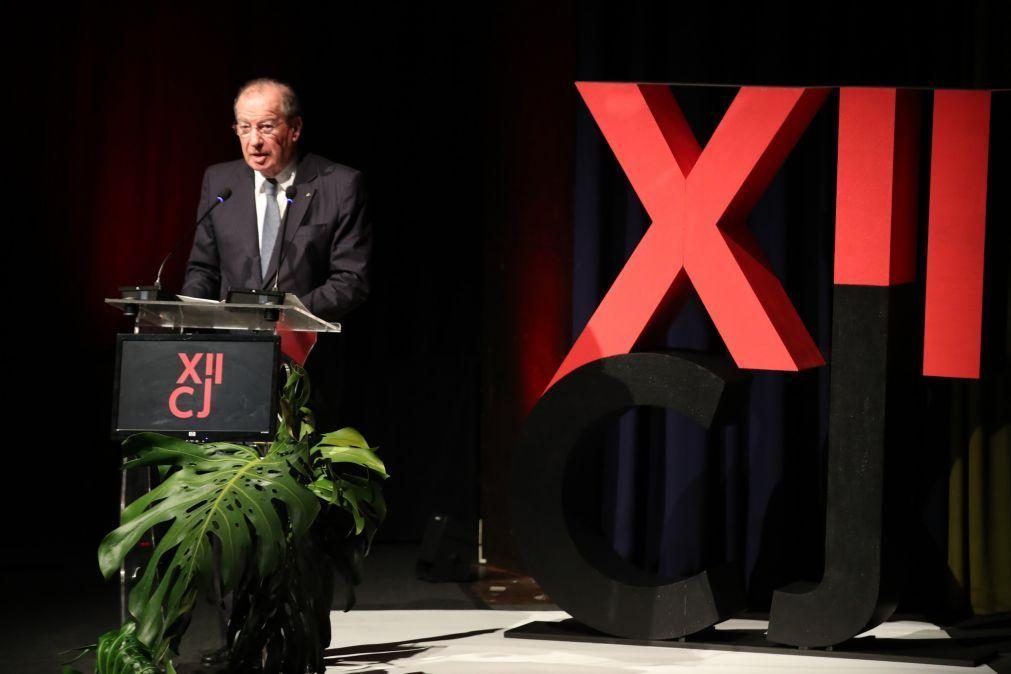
{"x":327,"y":242}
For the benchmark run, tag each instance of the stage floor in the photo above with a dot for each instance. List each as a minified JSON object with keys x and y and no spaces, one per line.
{"x":472,"y":641}
{"x":400,"y":625}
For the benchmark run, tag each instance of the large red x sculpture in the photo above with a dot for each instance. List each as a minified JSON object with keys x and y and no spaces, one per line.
{"x":697,"y":200}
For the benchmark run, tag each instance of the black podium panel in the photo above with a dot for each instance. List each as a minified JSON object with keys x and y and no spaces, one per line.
{"x":201,"y":387}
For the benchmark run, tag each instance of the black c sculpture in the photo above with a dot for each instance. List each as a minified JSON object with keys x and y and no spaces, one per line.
{"x":554,"y":501}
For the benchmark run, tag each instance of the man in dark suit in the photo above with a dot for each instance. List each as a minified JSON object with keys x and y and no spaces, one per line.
{"x":327,"y":241}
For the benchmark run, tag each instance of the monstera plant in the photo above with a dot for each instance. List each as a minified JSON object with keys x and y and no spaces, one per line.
{"x":270,"y":528}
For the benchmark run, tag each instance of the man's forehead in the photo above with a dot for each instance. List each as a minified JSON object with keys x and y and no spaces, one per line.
{"x":259,"y":101}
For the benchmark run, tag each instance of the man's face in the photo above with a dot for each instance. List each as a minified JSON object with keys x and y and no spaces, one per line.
{"x":255,"y":111}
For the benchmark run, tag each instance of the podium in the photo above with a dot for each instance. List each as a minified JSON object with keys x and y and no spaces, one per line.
{"x":193,"y":314}
{"x":202,"y":371}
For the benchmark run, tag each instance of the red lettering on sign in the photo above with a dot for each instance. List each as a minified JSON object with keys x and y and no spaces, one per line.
{"x":213,"y":367}
{"x":697,"y":200}
{"x":173,"y":402}
{"x":875,"y":224}
{"x":189,"y":368}
{"x":956,"y":234}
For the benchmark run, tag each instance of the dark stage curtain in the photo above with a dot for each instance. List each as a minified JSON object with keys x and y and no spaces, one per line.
{"x":135,"y":101}
{"x":461,"y":119}
{"x":676,"y":499}
{"x":979,"y":510}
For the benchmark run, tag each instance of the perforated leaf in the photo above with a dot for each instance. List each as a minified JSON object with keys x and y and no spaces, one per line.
{"x":219,"y":490}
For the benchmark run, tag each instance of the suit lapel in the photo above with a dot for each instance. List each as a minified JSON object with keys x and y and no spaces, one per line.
{"x":305,"y":189}
{"x":242,"y":218}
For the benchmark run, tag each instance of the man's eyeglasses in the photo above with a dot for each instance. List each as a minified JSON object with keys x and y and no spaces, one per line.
{"x":243,"y":129}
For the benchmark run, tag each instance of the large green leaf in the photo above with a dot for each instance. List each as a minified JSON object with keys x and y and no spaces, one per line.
{"x":297,"y":421}
{"x":348,"y":446}
{"x":339,"y":481}
{"x":283,"y":621}
{"x":120,"y":652}
{"x":217,"y":489}
{"x":359,"y":497}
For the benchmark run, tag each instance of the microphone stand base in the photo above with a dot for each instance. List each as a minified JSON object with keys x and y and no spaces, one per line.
{"x":255,"y":296}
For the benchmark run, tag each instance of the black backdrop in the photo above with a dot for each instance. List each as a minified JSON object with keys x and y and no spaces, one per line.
{"x":467,"y":125}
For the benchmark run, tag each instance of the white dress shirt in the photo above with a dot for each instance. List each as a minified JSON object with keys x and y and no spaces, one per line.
{"x":284,"y":179}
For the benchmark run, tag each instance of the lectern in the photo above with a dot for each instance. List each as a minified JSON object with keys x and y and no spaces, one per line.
{"x":202,"y":371}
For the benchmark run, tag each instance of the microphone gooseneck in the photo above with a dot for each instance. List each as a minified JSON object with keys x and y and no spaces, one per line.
{"x":218,"y":200}
{"x":289,"y":194}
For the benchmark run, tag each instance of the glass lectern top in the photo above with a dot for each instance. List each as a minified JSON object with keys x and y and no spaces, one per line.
{"x":208,"y":314}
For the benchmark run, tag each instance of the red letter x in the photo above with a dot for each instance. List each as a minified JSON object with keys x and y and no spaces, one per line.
{"x":697,"y":201}
{"x":189,"y":368}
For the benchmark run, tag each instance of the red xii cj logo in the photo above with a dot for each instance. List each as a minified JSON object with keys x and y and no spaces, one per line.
{"x":213,"y":364}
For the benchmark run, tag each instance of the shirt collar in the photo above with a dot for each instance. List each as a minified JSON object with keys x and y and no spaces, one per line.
{"x":284,"y":179}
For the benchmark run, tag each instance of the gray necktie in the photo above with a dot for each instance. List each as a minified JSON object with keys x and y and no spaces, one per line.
{"x":271,"y":223}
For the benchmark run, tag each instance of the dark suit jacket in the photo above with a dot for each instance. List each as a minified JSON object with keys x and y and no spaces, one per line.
{"x":327,"y":242}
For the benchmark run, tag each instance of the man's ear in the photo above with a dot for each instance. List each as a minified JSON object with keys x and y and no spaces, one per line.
{"x":296,"y":128}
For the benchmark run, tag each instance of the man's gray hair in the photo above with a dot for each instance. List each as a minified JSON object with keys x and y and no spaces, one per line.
{"x":290,"y":107}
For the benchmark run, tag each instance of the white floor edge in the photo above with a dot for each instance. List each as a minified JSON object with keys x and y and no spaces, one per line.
{"x":471,"y":642}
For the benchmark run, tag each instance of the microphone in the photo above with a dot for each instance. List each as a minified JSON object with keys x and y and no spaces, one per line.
{"x":289,"y":194}
{"x":218,"y":200}
{"x":154,"y":292}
